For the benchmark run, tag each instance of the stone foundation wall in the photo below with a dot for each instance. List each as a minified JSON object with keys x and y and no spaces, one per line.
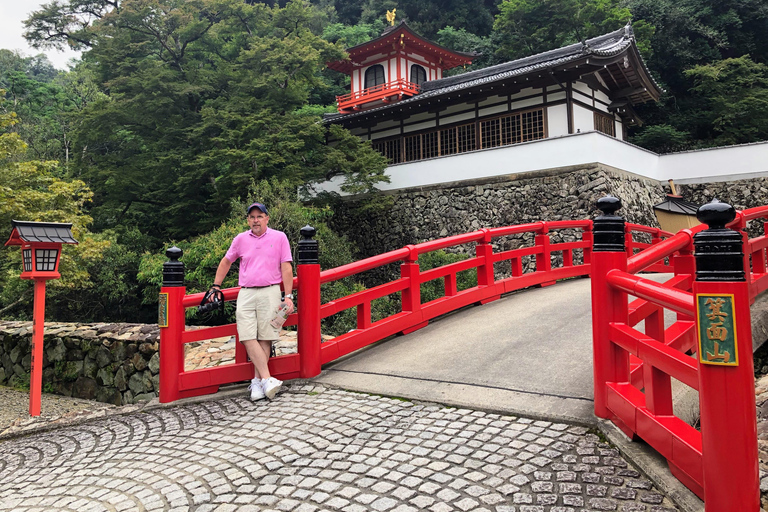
{"x":451,"y":209}
{"x":740,"y":194}
{"x":112,"y":363}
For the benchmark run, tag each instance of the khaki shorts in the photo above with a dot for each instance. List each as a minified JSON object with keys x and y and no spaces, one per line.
{"x":256,"y":307}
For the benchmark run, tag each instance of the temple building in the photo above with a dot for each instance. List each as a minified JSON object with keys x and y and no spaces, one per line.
{"x":401,"y":101}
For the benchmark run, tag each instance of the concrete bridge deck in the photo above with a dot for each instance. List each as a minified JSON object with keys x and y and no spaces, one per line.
{"x":527,"y":353}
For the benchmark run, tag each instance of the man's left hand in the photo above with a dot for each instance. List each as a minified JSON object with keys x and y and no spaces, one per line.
{"x":289,"y":301}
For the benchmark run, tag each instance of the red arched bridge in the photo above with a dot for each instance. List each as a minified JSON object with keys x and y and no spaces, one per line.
{"x":710,"y":275}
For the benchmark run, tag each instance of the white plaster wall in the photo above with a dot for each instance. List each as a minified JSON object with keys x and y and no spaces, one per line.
{"x":386,"y":133}
{"x":705,"y":166}
{"x":530,"y":102}
{"x":526,"y":92}
{"x":420,"y":126}
{"x":583,"y":119}
{"x":493,"y":110}
{"x":356,"y":86}
{"x":557,"y":121}
{"x":600,"y":95}
{"x":423,"y":116}
{"x":444,"y":120}
{"x":493,"y":99}
{"x":583,"y":88}
{"x":555,"y":96}
{"x":716,"y":164}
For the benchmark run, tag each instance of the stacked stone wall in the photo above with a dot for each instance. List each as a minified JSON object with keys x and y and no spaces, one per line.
{"x":112,"y":363}
{"x":418,"y":215}
{"x":740,"y":194}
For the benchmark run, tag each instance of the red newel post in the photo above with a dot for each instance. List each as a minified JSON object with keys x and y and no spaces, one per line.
{"x":309,"y":335}
{"x":544,"y":258}
{"x":611,"y":364}
{"x":38,"y":328}
{"x":726,"y":373}
{"x":170,"y":319}
{"x":409,"y":269}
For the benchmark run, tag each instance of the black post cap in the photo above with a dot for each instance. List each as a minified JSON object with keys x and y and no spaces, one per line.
{"x":719,"y":251}
{"x":716,"y":214}
{"x":173,"y":270}
{"x":308,"y":252}
{"x":608,"y":229}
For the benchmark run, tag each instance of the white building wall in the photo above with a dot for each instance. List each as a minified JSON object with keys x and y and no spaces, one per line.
{"x":705,"y":166}
{"x":557,"y":121}
{"x":420,"y":126}
{"x":583,"y":119}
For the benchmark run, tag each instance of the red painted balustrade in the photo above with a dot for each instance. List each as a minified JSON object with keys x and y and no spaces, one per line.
{"x":637,"y":354}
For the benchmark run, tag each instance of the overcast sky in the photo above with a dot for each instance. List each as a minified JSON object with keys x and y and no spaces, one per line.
{"x":12,"y":15}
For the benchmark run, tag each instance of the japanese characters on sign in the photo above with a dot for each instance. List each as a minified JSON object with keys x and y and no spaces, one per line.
{"x":717,"y":329}
{"x":162,"y":311}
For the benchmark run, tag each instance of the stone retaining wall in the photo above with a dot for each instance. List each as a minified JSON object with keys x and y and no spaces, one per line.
{"x":112,"y":363}
{"x":450,"y":209}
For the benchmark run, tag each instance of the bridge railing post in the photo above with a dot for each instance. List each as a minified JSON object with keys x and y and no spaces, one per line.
{"x":544,"y":258}
{"x":611,"y":364}
{"x":171,"y":323}
{"x":726,"y":373}
{"x":409,"y":269}
{"x":485,"y":274}
{"x":308,"y":325}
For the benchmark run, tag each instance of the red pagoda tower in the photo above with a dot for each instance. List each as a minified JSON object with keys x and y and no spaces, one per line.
{"x":393,"y":66}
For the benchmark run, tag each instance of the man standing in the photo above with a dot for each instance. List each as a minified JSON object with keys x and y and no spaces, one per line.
{"x":265,"y":262}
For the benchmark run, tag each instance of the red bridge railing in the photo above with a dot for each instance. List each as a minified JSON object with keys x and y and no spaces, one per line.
{"x":633,"y":368}
{"x":177,"y":383}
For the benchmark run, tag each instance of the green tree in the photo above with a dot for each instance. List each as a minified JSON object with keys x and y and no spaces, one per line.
{"x":698,"y":32}
{"x":29,"y":190}
{"x":203,"y":97}
{"x":464,"y":41}
{"x":527,"y":27}
{"x":735,"y":95}
{"x":61,"y":24}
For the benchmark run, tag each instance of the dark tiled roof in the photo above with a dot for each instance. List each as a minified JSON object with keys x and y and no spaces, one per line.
{"x":606,"y":45}
{"x":44,"y":231}
{"x":677,"y":205}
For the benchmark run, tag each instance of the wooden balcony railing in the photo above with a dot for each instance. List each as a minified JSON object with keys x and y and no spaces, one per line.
{"x":384,"y":92}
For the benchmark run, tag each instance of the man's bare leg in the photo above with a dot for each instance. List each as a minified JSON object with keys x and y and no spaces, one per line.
{"x":259,"y":357}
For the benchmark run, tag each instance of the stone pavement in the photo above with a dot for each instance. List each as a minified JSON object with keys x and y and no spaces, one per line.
{"x":319,"y":449}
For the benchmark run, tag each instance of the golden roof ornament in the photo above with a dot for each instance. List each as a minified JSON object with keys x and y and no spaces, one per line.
{"x":391,"y":16}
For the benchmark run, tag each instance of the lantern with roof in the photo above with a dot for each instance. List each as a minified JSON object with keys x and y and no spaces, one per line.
{"x":40,"y":253}
{"x":40,"y":247}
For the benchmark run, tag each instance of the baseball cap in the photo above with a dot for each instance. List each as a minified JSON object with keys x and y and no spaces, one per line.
{"x":260,"y":206}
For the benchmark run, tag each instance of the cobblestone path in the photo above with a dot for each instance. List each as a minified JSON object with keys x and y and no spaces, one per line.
{"x":316,"y":449}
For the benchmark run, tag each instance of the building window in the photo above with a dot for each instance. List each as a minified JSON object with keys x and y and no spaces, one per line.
{"x":498,"y":131}
{"x":374,"y":75}
{"x":605,"y":124}
{"x":512,"y":129}
{"x":390,"y":149}
{"x":418,"y":74}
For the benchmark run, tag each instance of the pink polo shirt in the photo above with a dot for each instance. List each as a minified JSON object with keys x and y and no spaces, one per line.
{"x":260,"y":257}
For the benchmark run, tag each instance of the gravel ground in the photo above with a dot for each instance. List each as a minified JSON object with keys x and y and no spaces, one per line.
{"x":55,"y":409}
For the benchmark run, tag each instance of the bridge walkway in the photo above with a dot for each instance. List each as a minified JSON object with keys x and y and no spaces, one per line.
{"x":527,"y":353}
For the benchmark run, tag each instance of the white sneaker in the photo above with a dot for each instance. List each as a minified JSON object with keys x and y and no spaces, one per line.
{"x":271,"y":386}
{"x":257,"y":390}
